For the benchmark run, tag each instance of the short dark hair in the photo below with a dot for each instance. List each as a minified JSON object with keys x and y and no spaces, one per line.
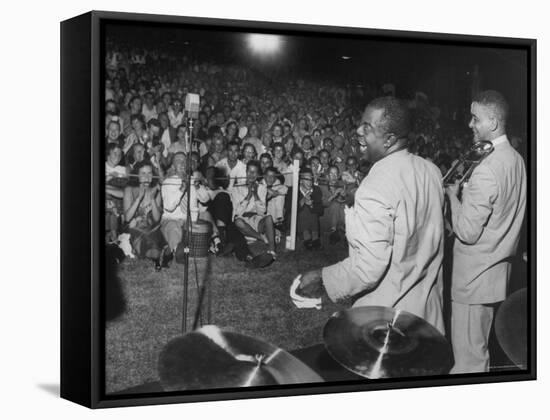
{"x":396,"y":117}
{"x":494,"y":100}
{"x":178,"y":154}
{"x":254,"y":163}
{"x":134,"y":181}
{"x":153,"y":122}
{"x":138,"y":117}
{"x":232,"y":143}
{"x":306,"y":170}
{"x":110,"y":147}
{"x":272,"y":169}
{"x":266,"y":155}
{"x":249,"y":145}
{"x":213,"y":130}
{"x":133,"y":98}
{"x":334,"y":167}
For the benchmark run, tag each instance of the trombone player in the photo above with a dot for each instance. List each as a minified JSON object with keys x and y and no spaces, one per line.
{"x":487,"y":222}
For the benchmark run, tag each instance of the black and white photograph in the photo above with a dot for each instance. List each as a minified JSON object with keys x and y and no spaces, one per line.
{"x":286,"y":208}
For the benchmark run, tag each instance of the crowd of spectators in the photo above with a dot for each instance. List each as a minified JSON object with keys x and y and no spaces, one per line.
{"x":242,"y":149}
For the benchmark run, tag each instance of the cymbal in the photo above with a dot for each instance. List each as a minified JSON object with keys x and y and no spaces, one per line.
{"x":511,"y":327}
{"x":378,"y":342}
{"x":210,"y":358}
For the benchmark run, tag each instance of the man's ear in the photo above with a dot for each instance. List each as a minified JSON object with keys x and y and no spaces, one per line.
{"x":390,"y":140}
{"x":494,"y":124}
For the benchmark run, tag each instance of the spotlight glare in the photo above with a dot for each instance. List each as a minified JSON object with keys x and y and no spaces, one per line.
{"x":264,"y":44}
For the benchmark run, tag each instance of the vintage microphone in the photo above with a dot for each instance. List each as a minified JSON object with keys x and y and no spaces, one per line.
{"x":192,"y":102}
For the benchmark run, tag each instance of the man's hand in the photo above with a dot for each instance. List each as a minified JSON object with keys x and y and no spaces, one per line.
{"x":272,"y":193}
{"x":183,"y":186}
{"x":311,"y":284}
{"x":452,"y":189}
{"x":307,"y":198}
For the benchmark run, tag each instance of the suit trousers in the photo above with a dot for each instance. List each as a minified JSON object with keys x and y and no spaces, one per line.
{"x":470,"y":328}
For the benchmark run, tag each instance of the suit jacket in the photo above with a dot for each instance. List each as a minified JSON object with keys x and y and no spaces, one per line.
{"x":395,"y":236}
{"x":316,"y":198}
{"x":487,"y":225}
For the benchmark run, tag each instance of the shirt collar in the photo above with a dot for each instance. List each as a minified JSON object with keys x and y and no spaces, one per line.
{"x":500,"y":140}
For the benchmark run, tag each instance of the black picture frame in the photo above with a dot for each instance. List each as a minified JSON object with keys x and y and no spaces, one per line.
{"x":82,"y":254}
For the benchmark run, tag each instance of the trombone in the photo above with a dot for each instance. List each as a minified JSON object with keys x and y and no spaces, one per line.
{"x":473,"y":157}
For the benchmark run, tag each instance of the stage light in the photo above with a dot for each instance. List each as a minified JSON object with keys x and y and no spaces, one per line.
{"x":264,"y":44}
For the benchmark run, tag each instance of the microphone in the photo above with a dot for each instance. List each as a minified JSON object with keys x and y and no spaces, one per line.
{"x":192,"y":104}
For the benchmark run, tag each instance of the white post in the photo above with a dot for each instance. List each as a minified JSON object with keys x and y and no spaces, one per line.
{"x":291,"y":240}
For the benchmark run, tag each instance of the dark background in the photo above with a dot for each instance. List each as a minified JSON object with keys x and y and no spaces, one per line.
{"x":443,"y":71}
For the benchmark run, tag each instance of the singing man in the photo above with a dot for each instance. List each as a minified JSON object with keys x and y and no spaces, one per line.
{"x":395,"y":227}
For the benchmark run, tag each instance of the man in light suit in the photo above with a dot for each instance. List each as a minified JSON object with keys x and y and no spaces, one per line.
{"x":487,"y":223}
{"x":395,"y":228}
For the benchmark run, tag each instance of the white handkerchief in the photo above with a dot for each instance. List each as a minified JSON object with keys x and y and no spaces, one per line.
{"x":301,"y":301}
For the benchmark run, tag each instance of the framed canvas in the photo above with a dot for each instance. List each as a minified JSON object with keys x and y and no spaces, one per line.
{"x":257,"y":209}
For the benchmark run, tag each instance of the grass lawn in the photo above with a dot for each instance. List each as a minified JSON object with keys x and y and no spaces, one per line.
{"x":251,"y":302}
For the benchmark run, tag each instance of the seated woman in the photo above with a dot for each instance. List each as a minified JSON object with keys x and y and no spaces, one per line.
{"x":138,"y":133}
{"x":249,"y":153}
{"x":218,"y":150}
{"x":265,"y":161}
{"x":267,"y":143}
{"x":142,"y":212}
{"x":314,"y":164}
{"x":136,"y":156}
{"x":310,"y":208}
{"x":253,"y":138}
{"x":290,"y":145}
{"x":307,"y":147}
{"x":249,"y":208}
{"x":281,"y":163}
{"x":276,"y":194}
{"x":174,"y":199}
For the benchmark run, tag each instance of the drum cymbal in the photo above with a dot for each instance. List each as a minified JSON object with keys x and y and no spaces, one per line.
{"x":377,"y":342}
{"x":511,"y":327}
{"x":210,"y":358}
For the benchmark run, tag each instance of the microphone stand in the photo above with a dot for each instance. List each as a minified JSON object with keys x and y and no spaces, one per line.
{"x":187,"y":242}
{"x":187,"y":237}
